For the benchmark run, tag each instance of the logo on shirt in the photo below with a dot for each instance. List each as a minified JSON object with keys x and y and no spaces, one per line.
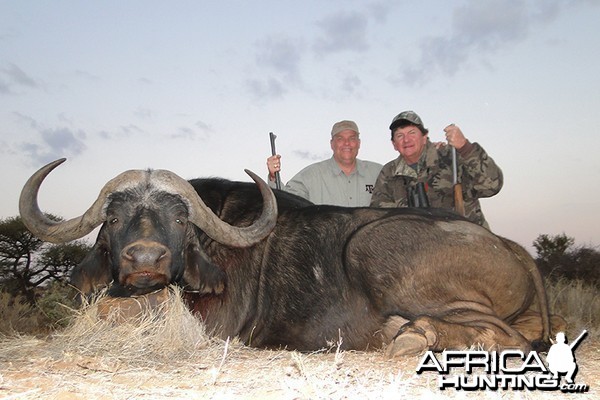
{"x":369,"y":188}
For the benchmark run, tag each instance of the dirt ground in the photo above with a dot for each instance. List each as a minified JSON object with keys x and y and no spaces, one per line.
{"x":37,"y":369}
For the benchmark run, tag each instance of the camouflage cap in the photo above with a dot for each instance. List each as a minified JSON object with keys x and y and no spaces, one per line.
{"x":409,"y":116}
{"x":342,"y":126}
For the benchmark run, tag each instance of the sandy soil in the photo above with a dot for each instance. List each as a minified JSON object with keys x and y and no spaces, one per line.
{"x":163,"y":353}
{"x":36,"y":368}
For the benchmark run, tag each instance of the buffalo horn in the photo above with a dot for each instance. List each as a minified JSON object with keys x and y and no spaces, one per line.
{"x":200,"y":215}
{"x":220,"y":231}
{"x":63,"y":231}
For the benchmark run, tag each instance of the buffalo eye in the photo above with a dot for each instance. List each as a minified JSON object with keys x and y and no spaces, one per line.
{"x":113,"y":221}
{"x":180,"y":221}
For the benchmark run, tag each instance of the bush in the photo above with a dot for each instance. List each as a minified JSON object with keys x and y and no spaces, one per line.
{"x":17,"y":315}
{"x":558,"y":258}
{"x":53,"y":309}
{"x":57,"y":305}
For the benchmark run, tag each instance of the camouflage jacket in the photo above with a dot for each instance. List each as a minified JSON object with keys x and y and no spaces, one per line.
{"x":478,"y":173}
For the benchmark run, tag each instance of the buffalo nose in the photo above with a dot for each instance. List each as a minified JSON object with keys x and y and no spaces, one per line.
{"x":144,"y":253}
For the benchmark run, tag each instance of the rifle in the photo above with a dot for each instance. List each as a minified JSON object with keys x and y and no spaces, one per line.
{"x":272,"y":136}
{"x":459,"y":204}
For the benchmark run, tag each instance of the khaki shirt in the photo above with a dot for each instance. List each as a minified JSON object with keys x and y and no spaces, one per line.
{"x":478,"y":173}
{"x":324,"y":182}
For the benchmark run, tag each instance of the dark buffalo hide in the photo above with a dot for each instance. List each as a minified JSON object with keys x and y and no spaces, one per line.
{"x":411,"y":279}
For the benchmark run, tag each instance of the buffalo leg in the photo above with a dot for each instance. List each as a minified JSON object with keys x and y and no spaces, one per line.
{"x":458,"y":330}
{"x":529,"y":324}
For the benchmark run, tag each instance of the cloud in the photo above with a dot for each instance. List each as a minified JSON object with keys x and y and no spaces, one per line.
{"x":122,"y":132}
{"x":380,"y":10}
{"x":130,"y":130}
{"x":265,"y":89}
{"x":282,"y":55}
{"x":490,"y":25}
{"x":188,"y":133}
{"x":13,"y":76}
{"x":307,"y":155}
{"x":351,"y":85}
{"x":54,"y":144}
{"x":183,"y":133}
{"x":84,"y":75}
{"x":27,"y":120}
{"x":342,"y":32}
{"x":144,"y":113}
{"x":204,"y":127}
{"x":202,"y":132}
{"x":479,"y":29}
{"x":279,"y":60}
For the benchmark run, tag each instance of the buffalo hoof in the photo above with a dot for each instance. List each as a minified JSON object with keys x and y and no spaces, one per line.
{"x":408,"y":343}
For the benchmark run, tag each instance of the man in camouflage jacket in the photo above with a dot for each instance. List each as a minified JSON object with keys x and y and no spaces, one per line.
{"x":422,"y":163}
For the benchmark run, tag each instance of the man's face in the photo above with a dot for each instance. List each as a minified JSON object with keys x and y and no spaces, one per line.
{"x":345,"y":146}
{"x":410,"y":142}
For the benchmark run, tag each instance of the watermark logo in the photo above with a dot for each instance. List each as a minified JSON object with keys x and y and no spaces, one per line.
{"x":511,"y":369}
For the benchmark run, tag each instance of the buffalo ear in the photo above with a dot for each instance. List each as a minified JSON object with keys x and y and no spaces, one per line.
{"x":201,"y":274}
{"x":93,"y":272}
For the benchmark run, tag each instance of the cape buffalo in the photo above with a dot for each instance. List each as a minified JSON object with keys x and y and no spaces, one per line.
{"x":306,"y":275}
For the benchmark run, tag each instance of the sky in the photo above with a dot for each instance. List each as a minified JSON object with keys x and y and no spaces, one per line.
{"x":195,"y":87}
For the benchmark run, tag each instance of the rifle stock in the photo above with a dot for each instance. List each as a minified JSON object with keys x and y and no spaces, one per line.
{"x":459,"y":203}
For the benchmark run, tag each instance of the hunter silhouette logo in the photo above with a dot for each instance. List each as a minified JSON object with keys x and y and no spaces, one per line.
{"x":561,"y":359}
{"x":507,"y":370}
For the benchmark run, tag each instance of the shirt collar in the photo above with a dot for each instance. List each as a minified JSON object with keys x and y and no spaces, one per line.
{"x":335,"y":168}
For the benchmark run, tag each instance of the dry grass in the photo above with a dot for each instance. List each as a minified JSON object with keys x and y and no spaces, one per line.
{"x":168,"y":331}
{"x":165,"y":353}
{"x":578,"y":302}
{"x":16,"y":315}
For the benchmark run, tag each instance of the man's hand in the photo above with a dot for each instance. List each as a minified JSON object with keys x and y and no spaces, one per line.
{"x":455,"y":137}
{"x":273,"y":165}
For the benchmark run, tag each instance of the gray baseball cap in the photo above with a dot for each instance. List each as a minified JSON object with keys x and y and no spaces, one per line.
{"x":344,"y":125}
{"x":409,"y":116}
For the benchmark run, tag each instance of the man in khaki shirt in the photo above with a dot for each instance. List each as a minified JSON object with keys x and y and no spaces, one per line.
{"x":342,"y":180}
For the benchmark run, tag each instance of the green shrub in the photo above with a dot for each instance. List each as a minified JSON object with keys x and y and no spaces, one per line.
{"x":17,"y":315}
{"x":53,"y":309}
{"x":56,"y":305}
{"x":558,"y":258}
